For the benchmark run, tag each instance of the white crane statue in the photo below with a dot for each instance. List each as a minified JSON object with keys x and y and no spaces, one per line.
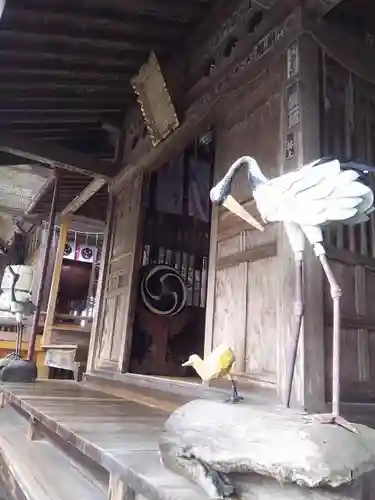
{"x":305,"y":200}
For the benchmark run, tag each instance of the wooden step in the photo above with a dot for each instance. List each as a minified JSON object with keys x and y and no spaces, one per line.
{"x":36,"y":470}
{"x":119,"y":436}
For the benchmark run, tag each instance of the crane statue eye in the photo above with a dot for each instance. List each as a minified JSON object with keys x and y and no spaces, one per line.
{"x":162,"y":290}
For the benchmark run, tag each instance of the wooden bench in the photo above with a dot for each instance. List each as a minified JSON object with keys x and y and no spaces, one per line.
{"x":120,"y":436}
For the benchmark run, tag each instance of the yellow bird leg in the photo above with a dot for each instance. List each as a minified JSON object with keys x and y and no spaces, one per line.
{"x":234,"y":398}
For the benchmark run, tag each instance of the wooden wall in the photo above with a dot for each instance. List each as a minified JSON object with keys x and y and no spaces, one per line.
{"x":248,"y":264}
{"x":349,"y":131}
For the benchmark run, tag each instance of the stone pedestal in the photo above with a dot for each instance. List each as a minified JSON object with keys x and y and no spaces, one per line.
{"x":266,"y":452}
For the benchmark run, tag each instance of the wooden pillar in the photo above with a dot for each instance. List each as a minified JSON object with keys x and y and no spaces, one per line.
{"x":46,"y":257}
{"x":211,"y":280}
{"x":101,"y":284}
{"x":50,"y":315}
{"x":313,"y":324}
{"x":301,"y":145}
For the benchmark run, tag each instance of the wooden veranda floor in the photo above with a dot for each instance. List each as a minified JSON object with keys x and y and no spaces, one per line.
{"x":120,"y":436}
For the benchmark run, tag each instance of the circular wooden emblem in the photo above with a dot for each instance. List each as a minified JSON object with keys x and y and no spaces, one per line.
{"x":163,"y":290}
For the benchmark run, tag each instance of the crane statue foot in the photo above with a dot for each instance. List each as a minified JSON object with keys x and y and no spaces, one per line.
{"x":331,"y":418}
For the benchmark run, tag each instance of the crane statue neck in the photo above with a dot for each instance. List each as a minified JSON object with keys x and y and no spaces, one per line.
{"x":222,"y":189}
{"x":254,"y":173}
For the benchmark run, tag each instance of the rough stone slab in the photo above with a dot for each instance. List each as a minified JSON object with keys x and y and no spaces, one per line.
{"x":276,"y":443}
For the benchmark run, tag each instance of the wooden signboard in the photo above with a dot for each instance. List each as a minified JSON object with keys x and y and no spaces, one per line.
{"x":154,"y":99}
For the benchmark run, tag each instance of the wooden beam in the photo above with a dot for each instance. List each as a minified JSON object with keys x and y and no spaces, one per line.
{"x":13,"y":71}
{"x":28,"y":54}
{"x":72,"y":86}
{"x":49,"y":133}
{"x":321,"y":7}
{"x":251,"y":255}
{"x":42,"y":92}
{"x":46,"y":35}
{"x":37,"y":117}
{"x":156,"y":10}
{"x":7,"y":160}
{"x":23,"y":109}
{"x":50,"y":315}
{"x":30,"y":103}
{"x":130,"y":26}
{"x":54,"y":156}
{"x":42,"y":192}
{"x":84,"y":196}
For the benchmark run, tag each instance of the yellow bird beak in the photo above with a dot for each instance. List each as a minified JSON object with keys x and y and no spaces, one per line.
{"x":233,"y":206}
{"x":187,"y":363}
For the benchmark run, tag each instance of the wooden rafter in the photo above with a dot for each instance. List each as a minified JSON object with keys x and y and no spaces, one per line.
{"x":154,"y":9}
{"x":54,"y":156}
{"x":46,"y":187}
{"x":84,"y":196}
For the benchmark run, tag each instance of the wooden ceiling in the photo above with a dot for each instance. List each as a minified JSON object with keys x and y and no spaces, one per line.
{"x":65,"y":70}
{"x":65,"y":65}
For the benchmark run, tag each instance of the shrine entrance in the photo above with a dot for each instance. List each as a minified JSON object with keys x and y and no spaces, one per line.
{"x":169,"y":322}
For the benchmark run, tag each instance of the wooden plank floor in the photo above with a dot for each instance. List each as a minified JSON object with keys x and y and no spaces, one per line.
{"x":36,"y":469}
{"x":120,"y":435}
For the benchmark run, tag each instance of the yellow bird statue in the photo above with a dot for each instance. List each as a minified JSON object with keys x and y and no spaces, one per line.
{"x":217,"y":365}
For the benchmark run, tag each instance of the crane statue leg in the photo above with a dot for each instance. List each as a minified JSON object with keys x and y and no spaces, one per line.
{"x":297,"y":240}
{"x":334,"y":417}
{"x":298,"y":314}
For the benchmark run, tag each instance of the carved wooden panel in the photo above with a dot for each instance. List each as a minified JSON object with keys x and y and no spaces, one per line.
{"x":116,"y":311}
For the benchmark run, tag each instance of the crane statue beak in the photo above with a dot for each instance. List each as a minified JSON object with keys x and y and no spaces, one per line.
{"x":187,"y":363}
{"x":233,"y":206}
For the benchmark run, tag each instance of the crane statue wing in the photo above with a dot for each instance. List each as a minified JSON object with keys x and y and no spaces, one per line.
{"x":315,"y":195}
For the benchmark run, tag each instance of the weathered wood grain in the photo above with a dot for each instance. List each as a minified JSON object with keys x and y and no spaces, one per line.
{"x":35,"y":469}
{"x":119,"y":435}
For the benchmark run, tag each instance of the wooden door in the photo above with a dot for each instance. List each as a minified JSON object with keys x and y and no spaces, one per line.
{"x":349,"y":132}
{"x":116,"y":311}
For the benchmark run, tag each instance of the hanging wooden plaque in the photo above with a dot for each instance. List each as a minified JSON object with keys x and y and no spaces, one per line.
{"x":154,"y":99}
